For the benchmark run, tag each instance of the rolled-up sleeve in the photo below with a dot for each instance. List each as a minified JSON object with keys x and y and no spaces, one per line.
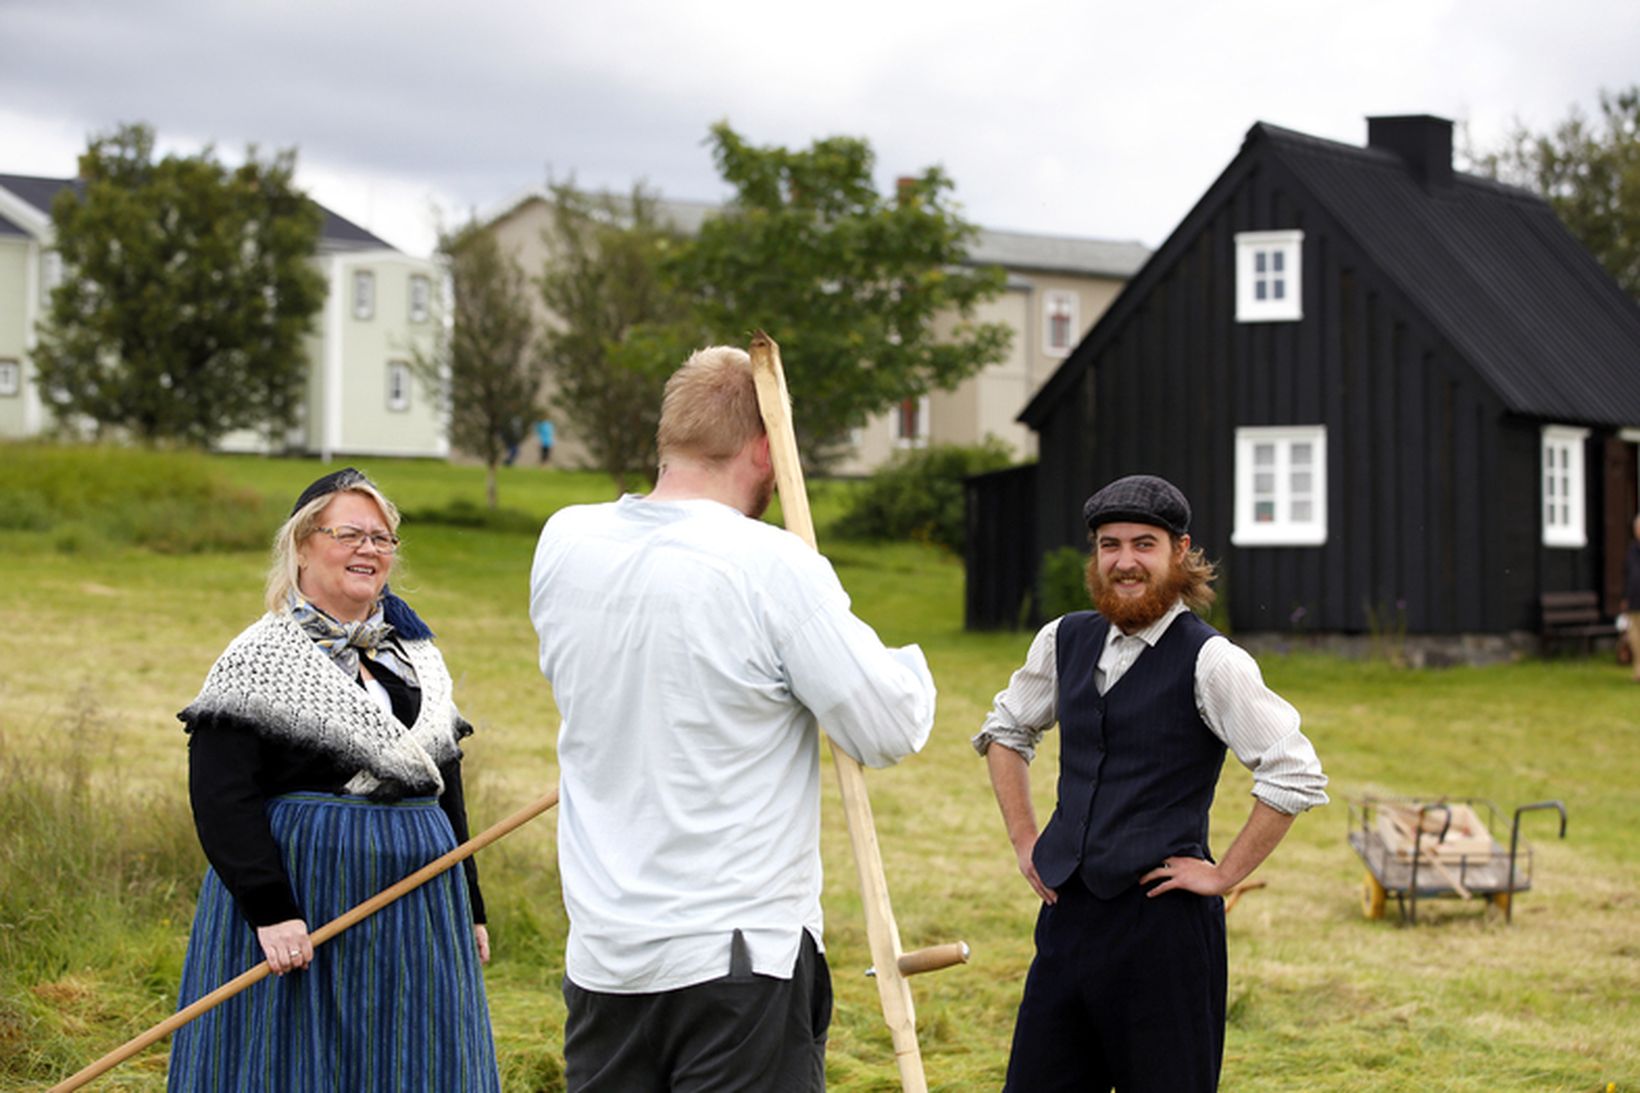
{"x":1029,"y":706}
{"x":876,"y":702}
{"x":1260,"y":727}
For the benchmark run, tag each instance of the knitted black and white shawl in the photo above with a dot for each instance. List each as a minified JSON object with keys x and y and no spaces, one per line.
{"x":273,"y":676}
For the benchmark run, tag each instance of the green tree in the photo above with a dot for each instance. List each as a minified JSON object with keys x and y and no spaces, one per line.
{"x":187,"y":289}
{"x":1589,"y":171}
{"x":849,"y":282}
{"x":617,"y":329}
{"x":486,"y":370}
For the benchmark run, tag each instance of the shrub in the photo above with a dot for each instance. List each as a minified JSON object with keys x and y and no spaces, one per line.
{"x":87,"y":496}
{"x":1063,"y":582}
{"x":918,"y":495}
{"x":463,"y":513}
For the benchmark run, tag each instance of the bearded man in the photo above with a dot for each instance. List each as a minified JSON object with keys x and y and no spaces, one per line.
{"x":1127,"y":990}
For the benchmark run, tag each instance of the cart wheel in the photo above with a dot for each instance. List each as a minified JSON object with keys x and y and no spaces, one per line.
{"x":1500,"y":901}
{"x":1372,"y":897}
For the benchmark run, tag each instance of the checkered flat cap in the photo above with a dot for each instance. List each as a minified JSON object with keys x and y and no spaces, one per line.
{"x":1142,"y":499}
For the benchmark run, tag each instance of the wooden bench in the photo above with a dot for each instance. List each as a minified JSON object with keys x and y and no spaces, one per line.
{"x":1572,"y":616}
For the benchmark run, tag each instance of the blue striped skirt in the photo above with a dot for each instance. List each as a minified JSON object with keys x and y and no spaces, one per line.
{"x":394,"y":1003}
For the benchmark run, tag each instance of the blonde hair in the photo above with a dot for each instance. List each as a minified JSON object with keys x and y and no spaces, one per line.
{"x":710,"y":408}
{"x":285,"y":571}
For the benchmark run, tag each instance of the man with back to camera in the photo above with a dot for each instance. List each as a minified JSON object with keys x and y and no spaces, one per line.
{"x":693,"y":650}
{"x":1127,"y":990}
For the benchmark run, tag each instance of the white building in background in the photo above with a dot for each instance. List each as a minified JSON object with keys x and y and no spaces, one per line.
{"x":1056,"y":287}
{"x":361,"y":399}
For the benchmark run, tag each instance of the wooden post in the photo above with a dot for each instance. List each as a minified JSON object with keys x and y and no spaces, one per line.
{"x":318,"y":937}
{"x":881,"y":931}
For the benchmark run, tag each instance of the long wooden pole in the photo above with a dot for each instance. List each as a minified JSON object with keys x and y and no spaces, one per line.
{"x":318,"y":937}
{"x":890,"y":966}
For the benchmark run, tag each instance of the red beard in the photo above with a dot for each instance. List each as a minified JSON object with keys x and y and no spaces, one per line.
{"x":1131,"y":614}
{"x":760,"y":500}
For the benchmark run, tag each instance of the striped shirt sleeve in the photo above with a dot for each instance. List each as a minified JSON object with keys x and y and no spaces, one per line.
{"x":1260,"y":726}
{"x":1029,"y":706}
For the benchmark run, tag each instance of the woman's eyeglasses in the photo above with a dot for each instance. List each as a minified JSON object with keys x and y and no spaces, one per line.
{"x":354,"y":538}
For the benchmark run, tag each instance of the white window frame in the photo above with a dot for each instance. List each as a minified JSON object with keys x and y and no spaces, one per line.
{"x":421,"y":297}
{"x":11,"y":378}
{"x":920,"y":438}
{"x":1279,"y":492}
{"x":1561,"y":486}
{"x":1278,"y":248}
{"x":1057,"y":302}
{"x":398,"y":386}
{"x":364,"y":294}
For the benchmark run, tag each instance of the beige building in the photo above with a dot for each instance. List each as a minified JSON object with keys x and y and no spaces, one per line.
{"x":1056,"y":287}
{"x":361,"y":398}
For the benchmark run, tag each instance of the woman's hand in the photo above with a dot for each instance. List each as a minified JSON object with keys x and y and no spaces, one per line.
{"x":286,"y":945}
{"x":482,"y":936}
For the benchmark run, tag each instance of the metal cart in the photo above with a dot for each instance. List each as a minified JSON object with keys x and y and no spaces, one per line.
{"x":1416,"y":849}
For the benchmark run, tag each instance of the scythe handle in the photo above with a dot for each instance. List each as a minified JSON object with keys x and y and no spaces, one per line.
{"x":884,"y":936}
{"x":318,"y":937}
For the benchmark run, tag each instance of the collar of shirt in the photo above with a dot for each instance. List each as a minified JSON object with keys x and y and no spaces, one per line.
{"x":1121,"y":650}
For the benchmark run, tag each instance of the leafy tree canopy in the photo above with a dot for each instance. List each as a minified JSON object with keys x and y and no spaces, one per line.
{"x":187,"y":289}
{"x":1589,"y":171}
{"x":848,"y":281}
{"x":618,"y":328}
{"x":486,"y":371}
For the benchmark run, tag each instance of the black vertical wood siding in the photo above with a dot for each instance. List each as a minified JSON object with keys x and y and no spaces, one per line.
{"x":1432,"y":489}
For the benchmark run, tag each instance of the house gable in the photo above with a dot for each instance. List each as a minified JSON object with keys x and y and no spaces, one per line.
{"x":1433,"y":477}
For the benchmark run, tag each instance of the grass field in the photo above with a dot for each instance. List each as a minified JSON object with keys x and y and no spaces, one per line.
{"x":101,"y":642}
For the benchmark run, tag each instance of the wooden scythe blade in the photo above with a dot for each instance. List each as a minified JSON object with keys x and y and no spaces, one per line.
{"x":888,"y":965}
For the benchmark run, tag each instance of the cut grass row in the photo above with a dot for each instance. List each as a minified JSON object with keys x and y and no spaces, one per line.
{"x":98,"y":862}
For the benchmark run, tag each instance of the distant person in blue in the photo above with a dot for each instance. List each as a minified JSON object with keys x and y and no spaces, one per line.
{"x":323,"y":766}
{"x":1127,"y":990}
{"x":544,"y":432}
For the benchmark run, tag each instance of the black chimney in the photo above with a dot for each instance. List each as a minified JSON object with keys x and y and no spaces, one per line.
{"x":1423,"y":142}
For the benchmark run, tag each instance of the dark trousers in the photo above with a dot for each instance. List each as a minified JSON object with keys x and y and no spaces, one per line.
{"x":1125,"y":994}
{"x":743,"y":1032}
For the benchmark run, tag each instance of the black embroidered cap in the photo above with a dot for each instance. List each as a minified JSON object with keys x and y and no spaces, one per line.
{"x":1142,"y":499}
{"x":329,"y":484}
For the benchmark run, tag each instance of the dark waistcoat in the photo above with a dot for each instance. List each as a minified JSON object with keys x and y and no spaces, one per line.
{"x":1137,"y":765}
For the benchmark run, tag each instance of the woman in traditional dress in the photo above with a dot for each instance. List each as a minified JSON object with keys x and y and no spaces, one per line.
{"x":323,"y":766}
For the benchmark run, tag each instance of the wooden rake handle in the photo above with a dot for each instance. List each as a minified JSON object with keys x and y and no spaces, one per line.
{"x":884,"y":936}
{"x":318,"y":937}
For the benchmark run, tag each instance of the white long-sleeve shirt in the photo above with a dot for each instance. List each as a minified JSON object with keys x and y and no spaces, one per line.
{"x":1258,"y":725}
{"x":693,"y":652}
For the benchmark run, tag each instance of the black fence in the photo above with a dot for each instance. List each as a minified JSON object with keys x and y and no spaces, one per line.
{"x":1001,"y":555}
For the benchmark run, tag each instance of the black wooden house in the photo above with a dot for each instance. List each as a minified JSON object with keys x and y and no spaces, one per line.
{"x":1392,"y":391}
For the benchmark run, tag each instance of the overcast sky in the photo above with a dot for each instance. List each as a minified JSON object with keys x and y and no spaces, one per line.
{"x":1075,"y":118}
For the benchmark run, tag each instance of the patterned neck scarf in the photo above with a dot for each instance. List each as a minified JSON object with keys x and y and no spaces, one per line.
{"x":346,"y":641}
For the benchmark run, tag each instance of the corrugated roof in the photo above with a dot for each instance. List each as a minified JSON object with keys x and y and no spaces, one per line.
{"x":1059,"y":253}
{"x":1494,"y":270}
{"x":1010,"y":249}
{"x":336,"y":233}
{"x":1013,"y":250}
